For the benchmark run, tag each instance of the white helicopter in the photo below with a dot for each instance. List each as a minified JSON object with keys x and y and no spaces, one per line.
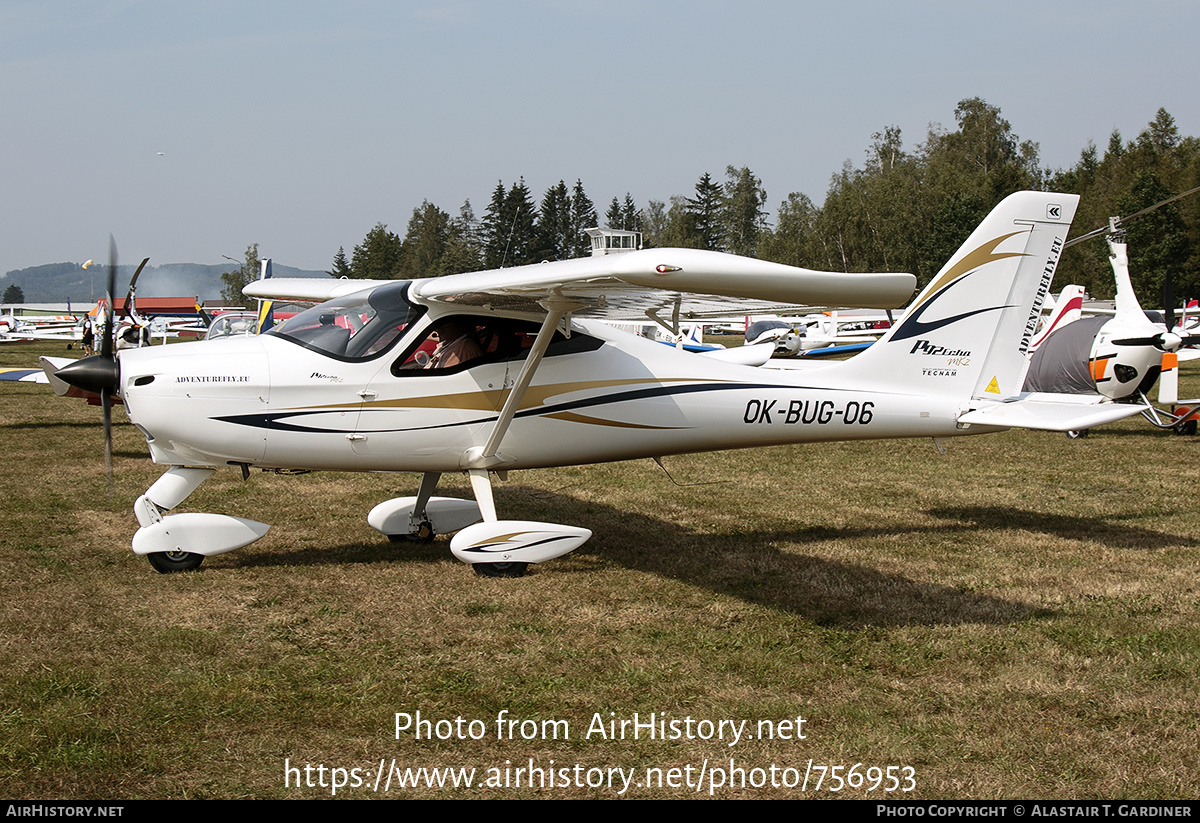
{"x":494,"y":371}
{"x":1119,"y":357}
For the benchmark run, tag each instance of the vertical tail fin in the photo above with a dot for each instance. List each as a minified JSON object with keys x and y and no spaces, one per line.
{"x":968,"y":332}
{"x":266,"y":308}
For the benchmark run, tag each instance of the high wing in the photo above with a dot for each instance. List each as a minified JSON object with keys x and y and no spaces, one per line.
{"x":687,"y":284}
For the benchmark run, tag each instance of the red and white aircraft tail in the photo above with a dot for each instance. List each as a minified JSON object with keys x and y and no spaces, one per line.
{"x":1067,"y":309}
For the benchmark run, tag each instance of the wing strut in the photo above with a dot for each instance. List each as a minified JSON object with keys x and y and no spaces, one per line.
{"x":673,"y":328}
{"x":556,"y":309}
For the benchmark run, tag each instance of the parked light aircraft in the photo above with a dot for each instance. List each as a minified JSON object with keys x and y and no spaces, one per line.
{"x":799,"y":335}
{"x":132,"y":329}
{"x":14,"y":329}
{"x":494,"y":371}
{"x":1062,"y":310}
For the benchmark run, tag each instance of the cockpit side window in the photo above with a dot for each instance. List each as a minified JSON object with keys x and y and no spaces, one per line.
{"x":358,"y":327}
{"x":461,"y":342}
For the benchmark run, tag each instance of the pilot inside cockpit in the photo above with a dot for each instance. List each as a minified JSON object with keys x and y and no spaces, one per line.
{"x":456,"y":346}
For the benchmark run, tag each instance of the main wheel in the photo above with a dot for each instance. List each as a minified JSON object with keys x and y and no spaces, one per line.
{"x":1187,"y":427}
{"x":170,"y":562}
{"x":423,"y":534}
{"x":500,"y":569}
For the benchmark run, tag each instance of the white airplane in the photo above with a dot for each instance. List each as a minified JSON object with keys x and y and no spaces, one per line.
{"x":15,"y":329}
{"x":797,"y":335}
{"x":495,"y":371}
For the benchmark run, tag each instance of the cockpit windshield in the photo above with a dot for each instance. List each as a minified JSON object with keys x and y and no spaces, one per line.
{"x":359,"y":326}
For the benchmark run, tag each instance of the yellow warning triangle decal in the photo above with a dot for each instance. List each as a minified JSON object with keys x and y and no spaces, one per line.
{"x":993,"y":387}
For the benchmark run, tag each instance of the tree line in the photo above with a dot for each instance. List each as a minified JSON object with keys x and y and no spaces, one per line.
{"x":900,"y":210}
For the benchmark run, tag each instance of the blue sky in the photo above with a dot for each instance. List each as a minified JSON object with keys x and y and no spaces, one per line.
{"x":299,"y":125}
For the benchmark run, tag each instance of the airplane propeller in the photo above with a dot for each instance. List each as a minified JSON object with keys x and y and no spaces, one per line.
{"x":130,"y":309}
{"x":1163,"y":341}
{"x":106,"y":351}
{"x":101,"y":373}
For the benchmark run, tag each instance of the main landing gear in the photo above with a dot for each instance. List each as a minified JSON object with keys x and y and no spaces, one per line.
{"x":500,"y":569}
{"x":496,"y":548}
{"x":423,"y":534}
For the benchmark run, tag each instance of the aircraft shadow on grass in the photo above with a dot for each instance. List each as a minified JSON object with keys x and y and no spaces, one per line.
{"x":750,"y":565}
{"x":1108,"y":531}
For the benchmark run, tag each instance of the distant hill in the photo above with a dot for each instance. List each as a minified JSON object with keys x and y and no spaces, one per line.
{"x":60,"y":282}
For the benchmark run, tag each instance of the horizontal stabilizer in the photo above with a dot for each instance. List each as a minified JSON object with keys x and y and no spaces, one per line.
{"x":743,"y":355}
{"x":1050,"y":412}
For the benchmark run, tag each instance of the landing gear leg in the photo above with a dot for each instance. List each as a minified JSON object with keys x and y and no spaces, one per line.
{"x":420,"y":529}
{"x":481,"y":484}
{"x":166,"y":493}
{"x":180,"y":542}
{"x":505,"y":548}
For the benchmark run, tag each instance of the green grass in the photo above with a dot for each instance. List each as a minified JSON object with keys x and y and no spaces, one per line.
{"x":1016,"y":618}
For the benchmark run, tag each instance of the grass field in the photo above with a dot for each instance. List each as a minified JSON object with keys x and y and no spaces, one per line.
{"x":1016,"y":618}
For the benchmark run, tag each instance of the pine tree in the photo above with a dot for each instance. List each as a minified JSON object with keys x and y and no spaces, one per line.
{"x":509,"y":236}
{"x":704,"y":211}
{"x":522,"y":237}
{"x":425,"y":242}
{"x":624,"y":214}
{"x":583,"y":216}
{"x":553,"y":227}
{"x":612,"y":217}
{"x":463,"y":252}
{"x":494,"y":230}
{"x":341,"y":267}
{"x":377,"y":257}
{"x":631,"y":215}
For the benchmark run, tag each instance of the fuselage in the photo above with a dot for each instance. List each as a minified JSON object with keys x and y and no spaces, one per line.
{"x":599,"y":395}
